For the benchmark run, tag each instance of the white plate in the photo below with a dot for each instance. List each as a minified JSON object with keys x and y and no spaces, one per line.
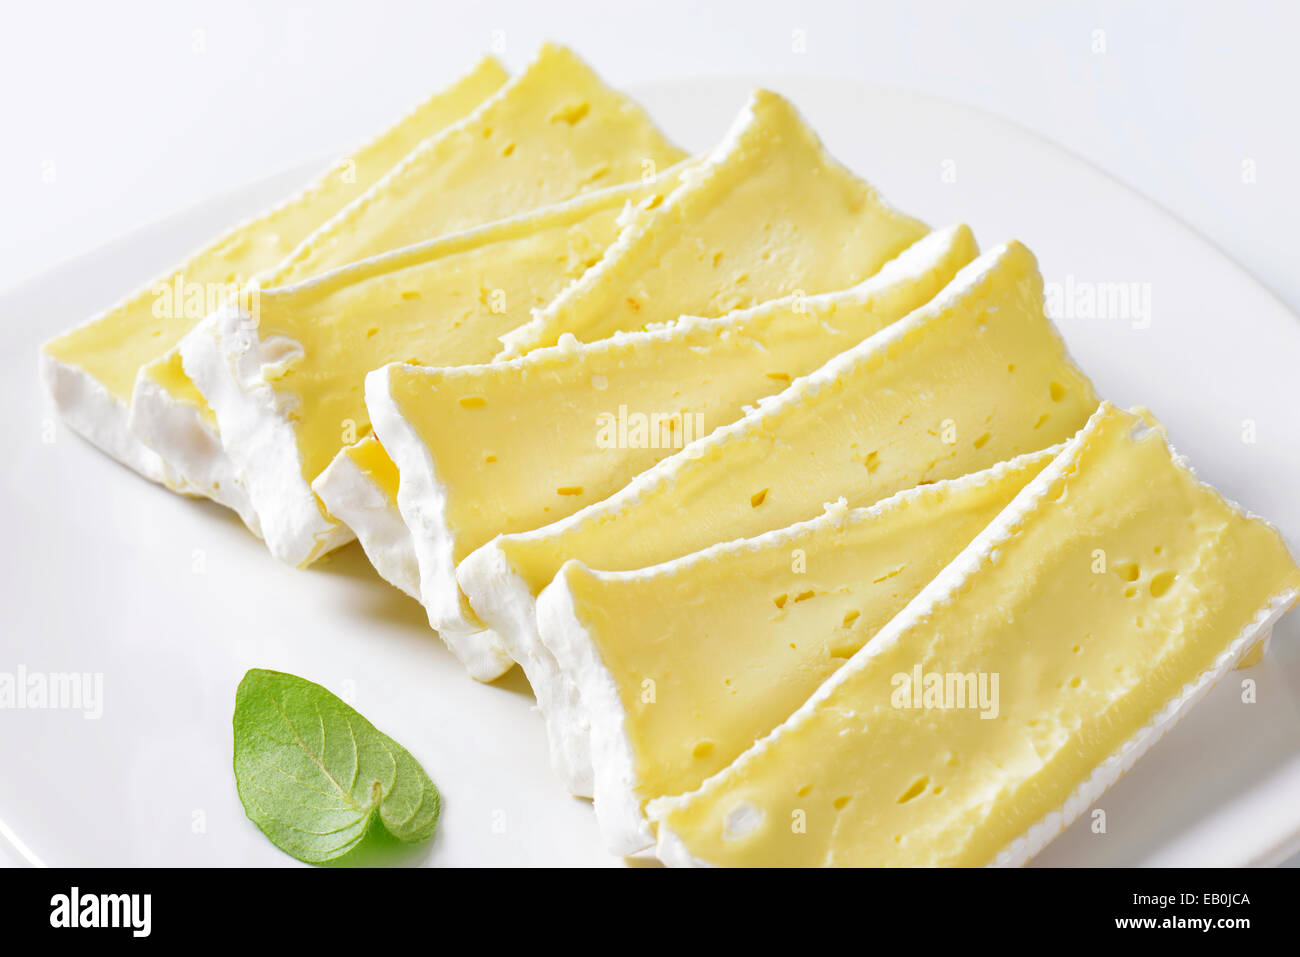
{"x":172,"y":601}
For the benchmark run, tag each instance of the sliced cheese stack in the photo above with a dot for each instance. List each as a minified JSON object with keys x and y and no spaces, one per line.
{"x":91,"y":371}
{"x":551,"y":133}
{"x":509,"y":446}
{"x":287,"y":389}
{"x":769,"y":213}
{"x":974,"y":377}
{"x":283,"y":386}
{"x":682,"y":666}
{"x":1106,"y":599}
{"x":695,"y":367}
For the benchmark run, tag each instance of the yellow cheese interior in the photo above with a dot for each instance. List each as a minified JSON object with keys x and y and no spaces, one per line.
{"x":445,"y":303}
{"x":1124,"y":583}
{"x":711,"y":653}
{"x":552,"y":133}
{"x":773,"y":213}
{"x":115,"y":346}
{"x":517,"y":445}
{"x":555,"y":131}
{"x":975,"y":377}
{"x":369,"y":457}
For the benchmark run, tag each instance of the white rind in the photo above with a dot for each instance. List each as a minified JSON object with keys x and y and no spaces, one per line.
{"x":510,"y":610}
{"x":89,"y":409}
{"x":225,"y":363}
{"x":622,"y":821}
{"x":356,"y":501}
{"x":190,"y":446}
{"x":623,"y":827}
{"x":945,"y":588}
{"x":422,"y":501}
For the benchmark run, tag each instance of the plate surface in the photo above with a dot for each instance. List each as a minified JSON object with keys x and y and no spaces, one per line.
{"x":171,"y":601}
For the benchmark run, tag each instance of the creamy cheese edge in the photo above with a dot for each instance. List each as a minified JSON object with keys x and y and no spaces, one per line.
{"x":684,"y":665}
{"x":556,"y":119}
{"x":359,"y":488}
{"x":679,"y":366}
{"x":90,"y":371}
{"x":695,"y":498}
{"x":195,"y":461}
{"x":773,"y":213}
{"x":483,"y":652}
{"x":722,"y":813}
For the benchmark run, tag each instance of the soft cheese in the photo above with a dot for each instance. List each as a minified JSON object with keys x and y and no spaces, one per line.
{"x":684,"y":665}
{"x":820,"y":227}
{"x":359,"y":488}
{"x":287,"y":388}
{"x":553,"y":132}
{"x":1107,"y":598}
{"x":513,"y":445}
{"x":976,"y":376}
{"x":91,"y":370}
{"x":769,"y":213}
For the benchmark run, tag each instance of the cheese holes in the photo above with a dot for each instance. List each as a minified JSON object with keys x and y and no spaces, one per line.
{"x":572,"y":113}
{"x":1161,"y":583}
{"x":758,"y":498}
{"x":915,"y":789}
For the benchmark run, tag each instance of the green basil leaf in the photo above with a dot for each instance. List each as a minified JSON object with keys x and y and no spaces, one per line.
{"x":316,"y":777}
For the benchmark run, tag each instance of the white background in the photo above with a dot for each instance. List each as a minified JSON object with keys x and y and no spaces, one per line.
{"x":135,"y":110}
{"x":115,"y":115}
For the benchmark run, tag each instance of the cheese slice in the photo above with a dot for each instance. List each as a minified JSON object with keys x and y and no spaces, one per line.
{"x":976,"y":376}
{"x":359,"y":488}
{"x":684,"y":665}
{"x":769,"y":213}
{"x":91,"y":370}
{"x":513,"y":445}
{"x":1107,"y":598}
{"x":551,"y":133}
{"x":287,"y":388}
